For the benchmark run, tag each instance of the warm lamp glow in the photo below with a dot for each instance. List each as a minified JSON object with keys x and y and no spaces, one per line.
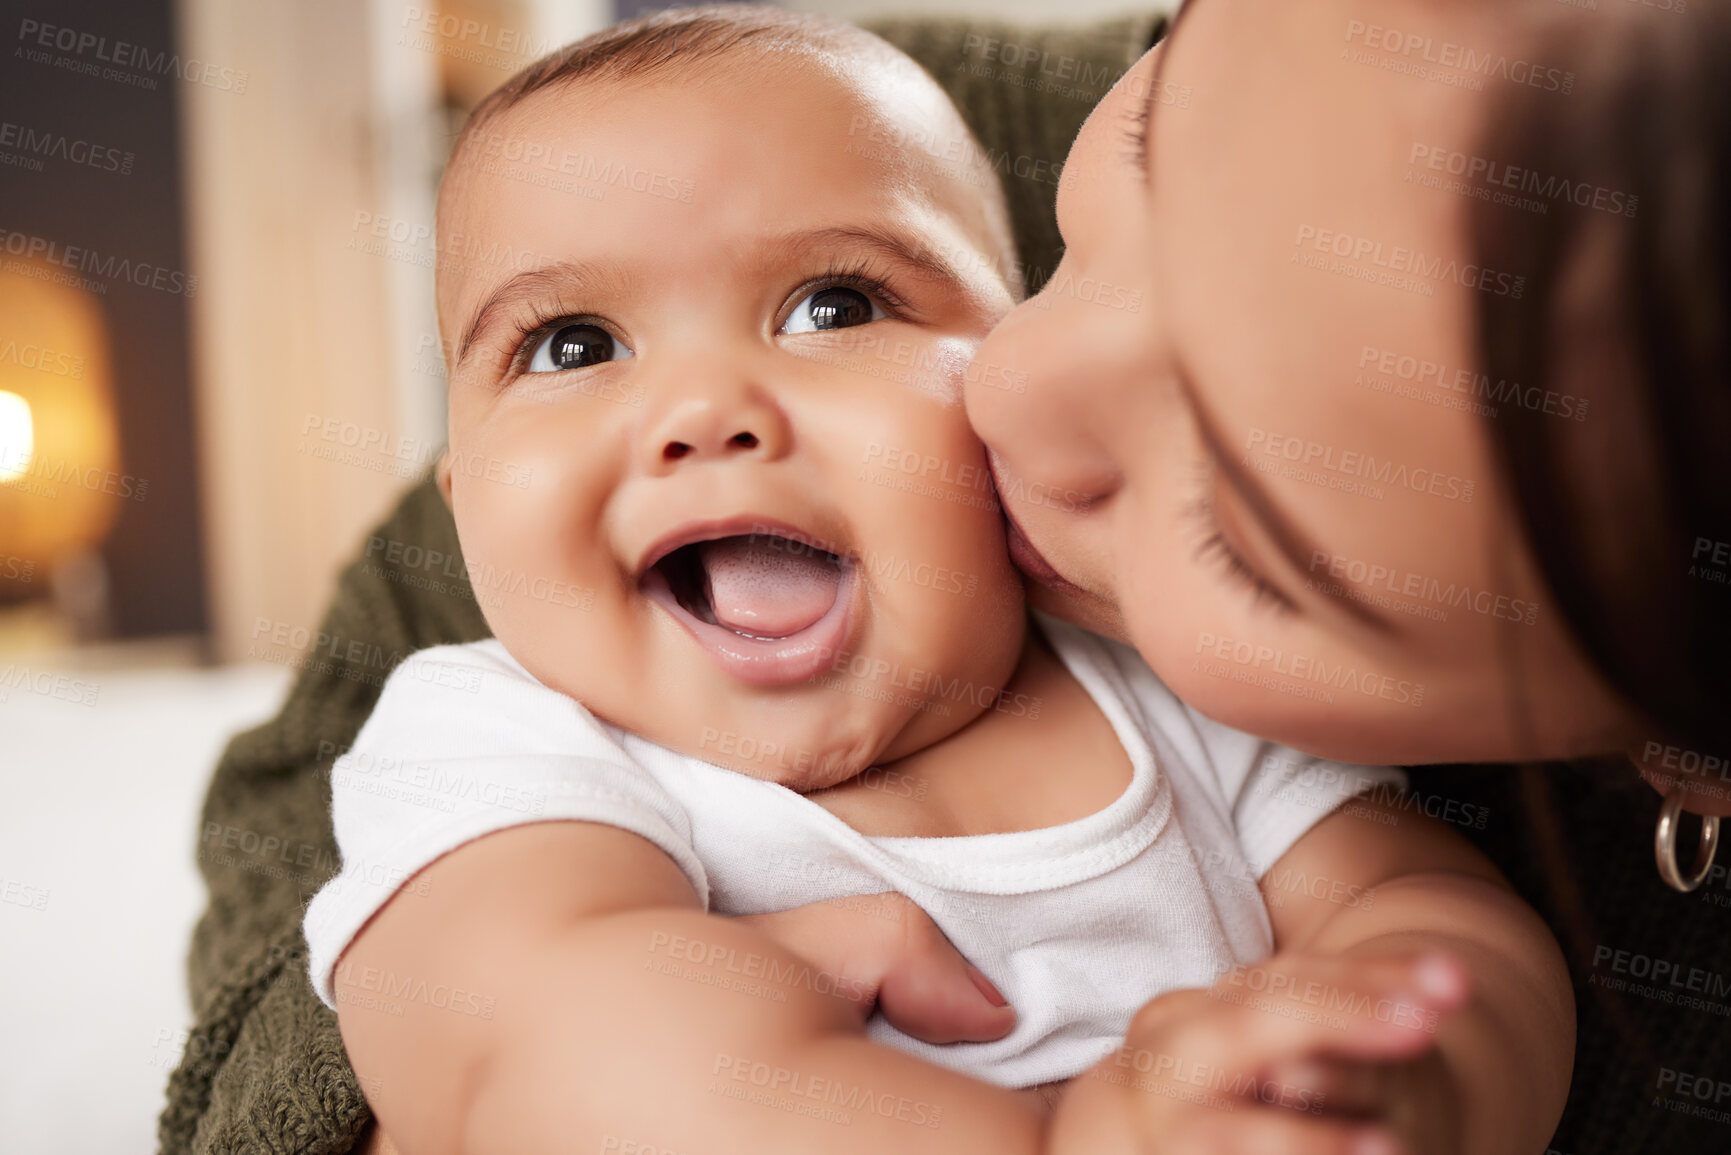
{"x":17,"y":436}
{"x":61,"y":480}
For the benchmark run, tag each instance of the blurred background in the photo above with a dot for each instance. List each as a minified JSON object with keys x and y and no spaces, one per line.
{"x":219,"y":367}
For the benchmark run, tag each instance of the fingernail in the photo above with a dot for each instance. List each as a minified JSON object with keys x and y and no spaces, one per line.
{"x":1439,"y":979}
{"x":986,"y":988}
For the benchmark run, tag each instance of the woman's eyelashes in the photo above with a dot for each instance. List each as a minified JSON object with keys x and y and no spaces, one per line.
{"x":575,"y":346}
{"x":1136,"y":129}
{"x":1213,"y":548}
{"x":832,"y":307}
{"x":1217,"y":549}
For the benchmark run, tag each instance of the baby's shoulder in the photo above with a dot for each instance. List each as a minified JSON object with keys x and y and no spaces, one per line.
{"x":478,"y":692}
{"x":472,"y":666}
{"x":488,"y":654}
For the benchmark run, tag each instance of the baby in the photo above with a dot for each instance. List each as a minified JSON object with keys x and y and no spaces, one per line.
{"x":712,"y":282}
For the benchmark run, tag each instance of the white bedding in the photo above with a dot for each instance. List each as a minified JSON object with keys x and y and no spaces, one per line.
{"x":99,"y":891}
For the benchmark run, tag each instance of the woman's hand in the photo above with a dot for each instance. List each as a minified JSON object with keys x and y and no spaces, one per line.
{"x":1302,"y":1054}
{"x":883,"y":951}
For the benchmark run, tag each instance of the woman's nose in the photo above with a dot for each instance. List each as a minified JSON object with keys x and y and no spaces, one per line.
{"x":715,"y":426}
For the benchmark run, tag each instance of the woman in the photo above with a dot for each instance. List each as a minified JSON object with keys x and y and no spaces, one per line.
{"x":1385,"y":382}
{"x":1389,"y":466}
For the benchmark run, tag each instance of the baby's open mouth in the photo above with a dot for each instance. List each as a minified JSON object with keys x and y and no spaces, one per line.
{"x":760,"y":586}
{"x":771,"y":608}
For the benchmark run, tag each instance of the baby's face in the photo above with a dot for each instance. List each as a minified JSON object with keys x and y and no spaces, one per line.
{"x":713,"y":477}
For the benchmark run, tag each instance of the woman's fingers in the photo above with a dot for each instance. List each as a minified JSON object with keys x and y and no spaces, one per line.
{"x":1276,"y":1133}
{"x":1337,"y":1086}
{"x":1256,"y":1018}
{"x":1044,"y":1097}
{"x":883,"y":951}
{"x":1300,"y":1055}
{"x":931,"y":992}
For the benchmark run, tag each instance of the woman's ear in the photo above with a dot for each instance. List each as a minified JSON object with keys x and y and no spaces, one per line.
{"x":442,"y":476}
{"x":1666,"y":768}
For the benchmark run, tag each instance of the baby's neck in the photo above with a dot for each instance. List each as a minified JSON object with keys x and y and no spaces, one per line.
{"x":1045,"y":755}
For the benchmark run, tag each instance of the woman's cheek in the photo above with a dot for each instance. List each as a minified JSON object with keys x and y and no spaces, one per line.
{"x":1202,"y":632}
{"x":1164,"y":612}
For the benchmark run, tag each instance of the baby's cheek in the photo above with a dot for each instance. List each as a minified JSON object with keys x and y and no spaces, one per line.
{"x":950,"y":360}
{"x":534,"y":572}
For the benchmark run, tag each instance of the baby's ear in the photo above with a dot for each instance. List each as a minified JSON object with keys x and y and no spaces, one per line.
{"x":442,"y":476}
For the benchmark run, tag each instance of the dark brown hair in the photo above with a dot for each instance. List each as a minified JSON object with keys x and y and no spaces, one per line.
{"x":684,"y":40}
{"x":687,"y":43}
{"x":1627,"y":306}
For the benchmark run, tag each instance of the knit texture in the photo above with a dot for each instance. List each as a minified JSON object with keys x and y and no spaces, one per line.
{"x":264,"y":1069}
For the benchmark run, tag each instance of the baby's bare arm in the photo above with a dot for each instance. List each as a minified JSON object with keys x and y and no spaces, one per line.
{"x":560,"y":934}
{"x":1506,"y":1056}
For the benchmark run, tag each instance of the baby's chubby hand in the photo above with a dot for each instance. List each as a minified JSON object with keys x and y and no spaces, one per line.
{"x":1302,"y":1054}
{"x":882,"y":950}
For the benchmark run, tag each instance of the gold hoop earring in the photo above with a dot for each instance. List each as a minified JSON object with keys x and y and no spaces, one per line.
{"x":1665,"y":844}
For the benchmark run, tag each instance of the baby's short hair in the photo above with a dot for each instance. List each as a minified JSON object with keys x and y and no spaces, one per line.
{"x":695,"y":40}
{"x":686,"y":40}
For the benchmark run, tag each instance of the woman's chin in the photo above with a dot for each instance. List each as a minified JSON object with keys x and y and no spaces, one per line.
{"x":1078,"y":607}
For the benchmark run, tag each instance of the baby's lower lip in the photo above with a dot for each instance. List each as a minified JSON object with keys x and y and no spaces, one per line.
{"x":785,"y":661}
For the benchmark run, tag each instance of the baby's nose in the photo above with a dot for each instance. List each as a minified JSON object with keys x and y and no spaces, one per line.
{"x":709,"y":428}
{"x":744,"y":439}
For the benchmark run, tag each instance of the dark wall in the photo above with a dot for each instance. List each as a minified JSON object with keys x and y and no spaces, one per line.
{"x":154,"y":554}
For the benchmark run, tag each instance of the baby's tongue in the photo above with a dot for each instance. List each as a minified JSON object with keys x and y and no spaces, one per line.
{"x":769,"y":587}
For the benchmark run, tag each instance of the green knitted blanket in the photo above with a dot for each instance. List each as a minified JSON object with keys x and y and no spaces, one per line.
{"x":264,"y":1069}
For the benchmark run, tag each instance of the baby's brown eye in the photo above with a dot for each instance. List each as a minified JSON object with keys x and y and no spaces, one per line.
{"x":574,"y":346}
{"x":836,"y":307}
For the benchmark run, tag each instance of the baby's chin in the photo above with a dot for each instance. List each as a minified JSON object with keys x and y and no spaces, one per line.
{"x":802,"y":754}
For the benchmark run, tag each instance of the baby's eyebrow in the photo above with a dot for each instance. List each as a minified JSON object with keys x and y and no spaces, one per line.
{"x":905,"y":251}
{"x":530,"y":285}
{"x":548,"y":279}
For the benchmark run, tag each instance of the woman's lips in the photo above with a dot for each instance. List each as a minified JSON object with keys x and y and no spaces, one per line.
{"x":1022,"y":552}
{"x":1030,"y":560}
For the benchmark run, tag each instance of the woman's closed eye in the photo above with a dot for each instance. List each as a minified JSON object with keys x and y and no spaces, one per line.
{"x":1212,"y":546}
{"x":574,"y":346}
{"x":832,"y":307}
